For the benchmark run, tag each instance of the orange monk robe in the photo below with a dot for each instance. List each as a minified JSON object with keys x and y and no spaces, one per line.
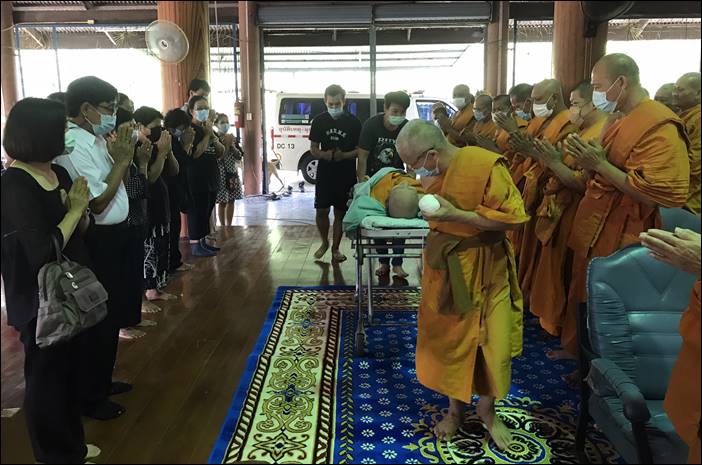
{"x":486,"y":128}
{"x":520,"y":163}
{"x":554,"y":131}
{"x":458,"y":355}
{"x":554,"y":222}
{"x":502,"y":140}
{"x":381,"y":190}
{"x":460,"y":121}
{"x":682,"y":401}
{"x":650,"y":146}
{"x":693,"y":127}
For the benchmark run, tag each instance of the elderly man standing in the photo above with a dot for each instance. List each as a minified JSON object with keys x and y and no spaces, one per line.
{"x":686,"y":97}
{"x":470,"y":317}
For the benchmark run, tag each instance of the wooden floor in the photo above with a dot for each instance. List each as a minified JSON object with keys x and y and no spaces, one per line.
{"x":186,"y":369}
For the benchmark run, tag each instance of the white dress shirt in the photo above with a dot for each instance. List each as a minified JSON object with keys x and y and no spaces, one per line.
{"x":86,"y":155}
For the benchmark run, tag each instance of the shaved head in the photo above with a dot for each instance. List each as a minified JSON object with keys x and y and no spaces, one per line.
{"x":461,"y":90}
{"x":416,"y":138}
{"x":548,"y":92}
{"x":403,"y":202}
{"x":665,"y":95}
{"x":501,"y":104}
{"x":686,"y":92}
{"x":519,"y":95}
{"x":483,"y":103}
{"x":584,"y":90}
{"x":617,"y":64}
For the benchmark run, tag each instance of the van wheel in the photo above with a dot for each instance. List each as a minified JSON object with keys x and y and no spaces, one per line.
{"x":308,"y":165}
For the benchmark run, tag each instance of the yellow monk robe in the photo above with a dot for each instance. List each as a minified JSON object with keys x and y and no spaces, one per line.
{"x":520,"y":164}
{"x":461,"y":121}
{"x":381,"y":190}
{"x":458,"y":355}
{"x":554,"y":131}
{"x":650,"y":146}
{"x":691,"y":119}
{"x":554,"y":222}
{"x":485,"y":128}
{"x":682,"y":401}
{"x":502,"y":140}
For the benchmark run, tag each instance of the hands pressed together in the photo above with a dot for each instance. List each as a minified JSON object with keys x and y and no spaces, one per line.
{"x":680,"y":249}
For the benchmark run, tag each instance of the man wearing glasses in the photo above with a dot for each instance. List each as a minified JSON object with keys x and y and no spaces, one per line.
{"x":91,"y":106}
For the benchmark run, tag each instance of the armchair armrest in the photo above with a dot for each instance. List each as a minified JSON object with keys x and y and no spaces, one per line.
{"x":606,"y":378}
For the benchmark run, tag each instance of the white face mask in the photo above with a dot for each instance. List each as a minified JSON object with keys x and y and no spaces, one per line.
{"x":542,"y":110}
{"x":223,"y":128}
{"x":459,"y":102}
{"x":600,"y":101}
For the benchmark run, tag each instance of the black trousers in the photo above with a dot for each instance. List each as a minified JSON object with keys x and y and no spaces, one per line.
{"x":52,"y":404}
{"x":113,"y":252}
{"x":199,"y":213}
{"x":175,"y":259}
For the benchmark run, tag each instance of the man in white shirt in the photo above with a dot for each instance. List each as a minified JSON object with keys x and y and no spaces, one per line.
{"x":91,"y":104}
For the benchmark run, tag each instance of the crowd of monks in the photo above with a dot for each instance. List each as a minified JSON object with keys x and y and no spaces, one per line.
{"x":562,"y":180}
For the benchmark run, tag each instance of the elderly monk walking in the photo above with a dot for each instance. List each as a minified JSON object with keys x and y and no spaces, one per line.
{"x":555,"y":215}
{"x":640,"y":165}
{"x":470,"y":318}
{"x":551,"y":111}
{"x":461,"y":123}
{"x":686,"y":96}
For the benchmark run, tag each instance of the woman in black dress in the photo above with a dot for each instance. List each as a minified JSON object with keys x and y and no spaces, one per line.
{"x":39,"y":202}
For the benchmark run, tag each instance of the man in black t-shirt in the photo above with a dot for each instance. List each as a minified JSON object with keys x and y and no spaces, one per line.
{"x":334,"y":140}
{"x":376,"y":148}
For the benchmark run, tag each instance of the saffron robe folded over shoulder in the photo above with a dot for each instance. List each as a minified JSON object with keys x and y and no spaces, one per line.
{"x":461,"y":121}
{"x":693,"y":127}
{"x":502,"y":140}
{"x":650,"y":146}
{"x":461,"y":354}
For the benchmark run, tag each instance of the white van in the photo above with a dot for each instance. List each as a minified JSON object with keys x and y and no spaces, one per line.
{"x":294,"y":115}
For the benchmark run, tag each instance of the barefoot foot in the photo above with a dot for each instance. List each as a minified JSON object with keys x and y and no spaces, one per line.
{"x":499,"y":432}
{"x":399,"y":271}
{"x":383,"y":270}
{"x":447,"y":427}
{"x":148,"y":307}
{"x":321,"y":251}
{"x":338,"y":257}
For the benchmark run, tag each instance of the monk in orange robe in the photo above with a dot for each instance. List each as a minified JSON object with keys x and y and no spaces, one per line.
{"x":484,"y":125}
{"x":681,"y":250}
{"x":548,"y":106}
{"x":462,"y":121}
{"x":665,"y":95}
{"x":555,"y":215}
{"x":470,"y":318}
{"x":502,"y":108}
{"x":640,"y":165}
{"x":686,"y":96}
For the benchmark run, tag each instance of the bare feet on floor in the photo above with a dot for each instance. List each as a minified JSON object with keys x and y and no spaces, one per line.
{"x":338,"y":257}
{"x":131,"y":333}
{"x":153,"y":294}
{"x":383,"y":270}
{"x":149,"y":307}
{"x":399,"y":271}
{"x":446,"y":429}
{"x":499,"y":432}
{"x":559,"y":355}
{"x":321,"y":251}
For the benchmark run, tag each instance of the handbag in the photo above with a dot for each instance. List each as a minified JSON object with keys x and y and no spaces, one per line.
{"x":71,"y":300}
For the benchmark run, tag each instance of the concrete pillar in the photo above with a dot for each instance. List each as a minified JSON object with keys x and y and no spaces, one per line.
{"x":252,"y":137}
{"x":7,"y":59}
{"x":193,"y":18}
{"x":574,"y":55}
{"x":496,"y":51}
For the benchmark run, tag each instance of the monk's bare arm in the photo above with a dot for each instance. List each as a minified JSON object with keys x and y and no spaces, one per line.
{"x":480,"y":222}
{"x":619,"y":179}
{"x":568,"y":176}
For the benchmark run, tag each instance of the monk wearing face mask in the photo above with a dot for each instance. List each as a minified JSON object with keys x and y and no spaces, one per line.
{"x":556,"y":213}
{"x":461,"y":123}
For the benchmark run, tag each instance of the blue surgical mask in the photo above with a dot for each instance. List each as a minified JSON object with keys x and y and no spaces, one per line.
{"x":599,"y":99}
{"x":424,"y":172}
{"x":335,"y":112}
{"x":223,"y":128}
{"x":523,"y":115}
{"x":396,"y":120}
{"x":106,"y":125}
{"x":479,"y":115}
{"x":201,"y":115}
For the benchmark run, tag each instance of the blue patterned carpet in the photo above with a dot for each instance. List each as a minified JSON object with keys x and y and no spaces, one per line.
{"x":306,"y":397}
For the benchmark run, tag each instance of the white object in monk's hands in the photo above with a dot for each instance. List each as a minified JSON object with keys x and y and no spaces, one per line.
{"x":429,"y":204}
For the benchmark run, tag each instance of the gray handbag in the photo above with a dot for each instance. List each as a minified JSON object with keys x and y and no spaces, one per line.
{"x":71,"y":300}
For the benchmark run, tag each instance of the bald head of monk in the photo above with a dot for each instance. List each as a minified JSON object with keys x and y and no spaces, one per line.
{"x":581,"y":106}
{"x":483,"y":108}
{"x":686,"y":93}
{"x":403,"y":201}
{"x":615,"y":83}
{"x":461,"y":96}
{"x":520,"y":96}
{"x":547,"y":98}
{"x":502,"y":104}
{"x":423,"y":147}
{"x":665,"y":95}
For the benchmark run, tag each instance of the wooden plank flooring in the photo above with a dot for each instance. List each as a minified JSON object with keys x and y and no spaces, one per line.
{"x":186,"y":370}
